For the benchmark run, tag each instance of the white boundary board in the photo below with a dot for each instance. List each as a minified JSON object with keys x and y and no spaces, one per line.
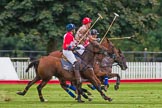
{"x":7,"y":70}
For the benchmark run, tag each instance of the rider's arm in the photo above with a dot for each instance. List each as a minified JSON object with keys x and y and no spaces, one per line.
{"x":80,"y":33}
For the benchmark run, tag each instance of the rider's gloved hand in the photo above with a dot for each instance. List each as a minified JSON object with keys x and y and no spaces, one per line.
{"x":69,"y":47}
{"x":98,"y":39}
{"x":76,"y":48}
{"x":113,"y":56}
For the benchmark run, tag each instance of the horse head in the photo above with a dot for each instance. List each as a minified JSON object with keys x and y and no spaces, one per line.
{"x":115,"y":53}
{"x":120,"y":59}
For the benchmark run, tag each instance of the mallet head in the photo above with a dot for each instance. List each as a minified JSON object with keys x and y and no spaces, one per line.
{"x":116,"y":14}
{"x":100,"y":16}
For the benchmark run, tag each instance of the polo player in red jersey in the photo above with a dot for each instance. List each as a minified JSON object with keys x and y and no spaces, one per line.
{"x":69,"y":44}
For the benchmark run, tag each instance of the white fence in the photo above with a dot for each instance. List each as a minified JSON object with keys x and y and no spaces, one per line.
{"x":141,"y":70}
{"x":20,"y":65}
{"x":136,"y":70}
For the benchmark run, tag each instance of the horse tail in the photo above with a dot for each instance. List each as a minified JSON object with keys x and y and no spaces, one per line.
{"x":34,"y":64}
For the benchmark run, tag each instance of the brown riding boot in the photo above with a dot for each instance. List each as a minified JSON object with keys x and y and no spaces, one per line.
{"x":77,"y":76}
{"x":76,"y":72}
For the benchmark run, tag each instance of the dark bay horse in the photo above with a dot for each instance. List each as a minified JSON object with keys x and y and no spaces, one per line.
{"x":103,"y":67}
{"x":115,"y":56}
{"x":51,"y":66}
{"x":103,"y":64}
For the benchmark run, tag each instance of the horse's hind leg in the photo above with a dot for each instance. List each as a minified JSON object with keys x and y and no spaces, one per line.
{"x":39,"y":88}
{"x":30,"y":83}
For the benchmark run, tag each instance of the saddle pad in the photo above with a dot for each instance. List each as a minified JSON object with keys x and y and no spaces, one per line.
{"x":66,"y":65}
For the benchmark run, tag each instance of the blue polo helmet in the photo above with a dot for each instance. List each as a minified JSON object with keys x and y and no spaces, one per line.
{"x":70,"y":27}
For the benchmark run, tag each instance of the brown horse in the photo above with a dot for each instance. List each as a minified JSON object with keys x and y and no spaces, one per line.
{"x":99,"y":70}
{"x":51,"y":66}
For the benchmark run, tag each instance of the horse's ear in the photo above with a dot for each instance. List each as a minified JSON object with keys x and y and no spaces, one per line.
{"x":119,"y":50}
{"x":107,"y":40}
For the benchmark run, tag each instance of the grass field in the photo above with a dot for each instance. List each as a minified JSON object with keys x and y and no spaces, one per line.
{"x":130,"y":95}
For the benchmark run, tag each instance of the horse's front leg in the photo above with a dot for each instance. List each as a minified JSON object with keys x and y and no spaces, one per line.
{"x":100,"y":73}
{"x":111,"y":75}
{"x":96,"y":82}
{"x":65,"y":87}
{"x":116,"y":87}
{"x":72,"y":86}
{"x":98,"y":87}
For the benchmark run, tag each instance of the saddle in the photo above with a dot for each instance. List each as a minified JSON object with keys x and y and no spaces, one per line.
{"x":66,"y":64}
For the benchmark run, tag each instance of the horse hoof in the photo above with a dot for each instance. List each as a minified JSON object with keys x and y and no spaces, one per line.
{"x":88,"y":93}
{"x":110,"y":99}
{"x":81,"y":101}
{"x":90,"y":99}
{"x":75,"y":97}
{"x":43,"y":100}
{"x":20,"y":93}
{"x":116,"y":87}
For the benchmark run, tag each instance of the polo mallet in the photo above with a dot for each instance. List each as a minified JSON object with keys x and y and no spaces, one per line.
{"x":122,"y":38}
{"x":131,"y":38}
{"x":116,"y":15}
{"x":99,"y":17}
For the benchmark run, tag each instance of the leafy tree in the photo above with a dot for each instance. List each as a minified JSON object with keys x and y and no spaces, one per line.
{"x":40,"y":24}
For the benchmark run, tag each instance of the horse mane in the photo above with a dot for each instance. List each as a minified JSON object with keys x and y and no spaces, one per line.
{"x":95,"y":43}
{"x":110,"y":42}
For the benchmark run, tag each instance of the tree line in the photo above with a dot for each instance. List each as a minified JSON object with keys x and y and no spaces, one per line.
{"x":40,"y":24}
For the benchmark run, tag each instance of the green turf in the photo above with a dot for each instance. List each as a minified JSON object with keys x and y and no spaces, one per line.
{"x":128,"y":96}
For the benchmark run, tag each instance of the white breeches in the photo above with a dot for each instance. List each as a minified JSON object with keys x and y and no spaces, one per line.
{"x":70,"y":56}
